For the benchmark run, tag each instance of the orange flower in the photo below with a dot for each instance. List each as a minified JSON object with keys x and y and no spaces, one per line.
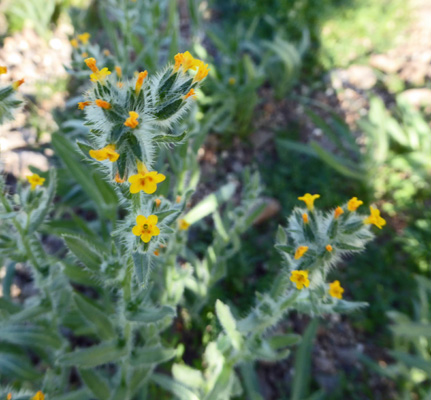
{"x":158,"y":202}
{"x":17,"y":84}
{"x":132,"y":121}
{"x":300,"y":251}
{"x":83,"y":104}
{"x":91,"y":63}
{"x":305,"y":218}
{"x":329,"y":247}
{"x":338,"y":211}
{"x":354,"y":203}
{"x":140,"y":81}
{"x":103,"y":104}
{"x":335,"y":290}
{"x":191,"y":93}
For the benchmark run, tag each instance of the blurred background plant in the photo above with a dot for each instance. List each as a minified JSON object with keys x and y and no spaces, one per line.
{"x":270,"y":98}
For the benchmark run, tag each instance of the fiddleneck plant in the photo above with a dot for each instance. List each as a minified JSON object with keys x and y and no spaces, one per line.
{"x":8,"y":102}
{"x":141,"y":268}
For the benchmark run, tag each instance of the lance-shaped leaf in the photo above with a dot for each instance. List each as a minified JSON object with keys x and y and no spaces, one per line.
{"x":188,"y":376}
{"x":228,"y":323}
{"x":93,"y":356}
{"x":97,"y":384}
{"x":17,"y":367}
{"x":142,"y":263}
{"x":29,"y":336}
{"x":95,"y":317}
{"x":173,"y":387}
{"x":83,"y":252}
{"x":153,"y":355}
{"x":151,"y":315}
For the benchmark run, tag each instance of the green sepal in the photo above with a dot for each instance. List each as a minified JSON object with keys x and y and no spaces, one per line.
{"x":135,"y":147}
{"x":169,"y":110}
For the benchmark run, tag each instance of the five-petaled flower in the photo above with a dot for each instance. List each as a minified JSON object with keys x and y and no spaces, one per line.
{"x":3,"y":70}
{"x":146,"y":181}
{"x":107,"y":153}
{"x":300,"y":251}
{"x":375,"y":218}
{"x":183,"y":224}
{"x":146,"y":228}
{"x":35,"y":180}
{"x":338,"y":211}
{"x":84,"y":37}
{"x":100,"y":75}
{"x":140,"y":81}
{"x":300,"y":278}
{"x":354,"y":203}
{"x":38,"y":396}
{"x":309,"y":199}
{"x":335,"y":290}
{"x":83,"y":104}
{"x":132,"y":121}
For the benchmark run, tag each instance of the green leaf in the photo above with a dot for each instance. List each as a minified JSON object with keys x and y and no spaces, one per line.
{"x":73,"y":161}
{"x":90,"y":357}
{"x":413,"y":330}
{"x":135,"y":147}
{"x":85,"y":148}
{"x":228,"y":322}
{"x":142,"y":263}
{"x":412,"y":361}
{"x":17,"y":367}
{"x":188,"y":376}
{"x":151,"y":315}
{"x":279,"y":341}
{"x":38,"y":215}
{"x":30,"y":336}
{"x":152,"y":355}
{"x":80,"y":249}
{"x":97,"y":384}
{"x":303,"y":362}
{"x":173,"y":387}
{"x":94,"y":316}
{"x":210,"y":203}
{"x":170,"y":138}
{"x":169,"y":110}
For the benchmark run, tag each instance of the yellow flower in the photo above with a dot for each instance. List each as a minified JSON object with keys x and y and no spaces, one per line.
{"x":188,"y":61}
{"x":35,"y":180}
{"x":83,"y":104}
{"x":17,"y":84}
{"x":140,"y":81}
{"x":84,"y":54}
{"x":74,"y":43}
{"x":38,"y":396}
{"x":179,"y":58}
{"x":202,"y":70}
{"x":103,"y":104}
{"x":354,"y":203}
{"x":106,"y":53}
{"x":300,"y":251}
{"x":107,"y":153}
{"x":335,"y":290}
{"x":132,"y":121}
{"x":158,"y":202}
{"x":119,"y":71}
{"x":100,"y":76}
{"x":329,"y":247}
{"x":91,"y":63}
{"x":305,"y":218}
{"x":84,"y":37}
{"x":338,"y":211}
{"x":309,"y":199}
{"x":183,"y":224}
{"x":9,"y":396}
{"x":300,"y":278}
{"x":145,"y":181}
{"x":191,"y":93}
{"x":146,"y":227}
{"x":375,"y":218}
{"x":3,"y":70}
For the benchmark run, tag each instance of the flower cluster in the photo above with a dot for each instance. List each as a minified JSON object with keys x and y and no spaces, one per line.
{"x":320,"y":239}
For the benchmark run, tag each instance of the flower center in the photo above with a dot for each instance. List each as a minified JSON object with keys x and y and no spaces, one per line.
{"x":145,"y":226}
